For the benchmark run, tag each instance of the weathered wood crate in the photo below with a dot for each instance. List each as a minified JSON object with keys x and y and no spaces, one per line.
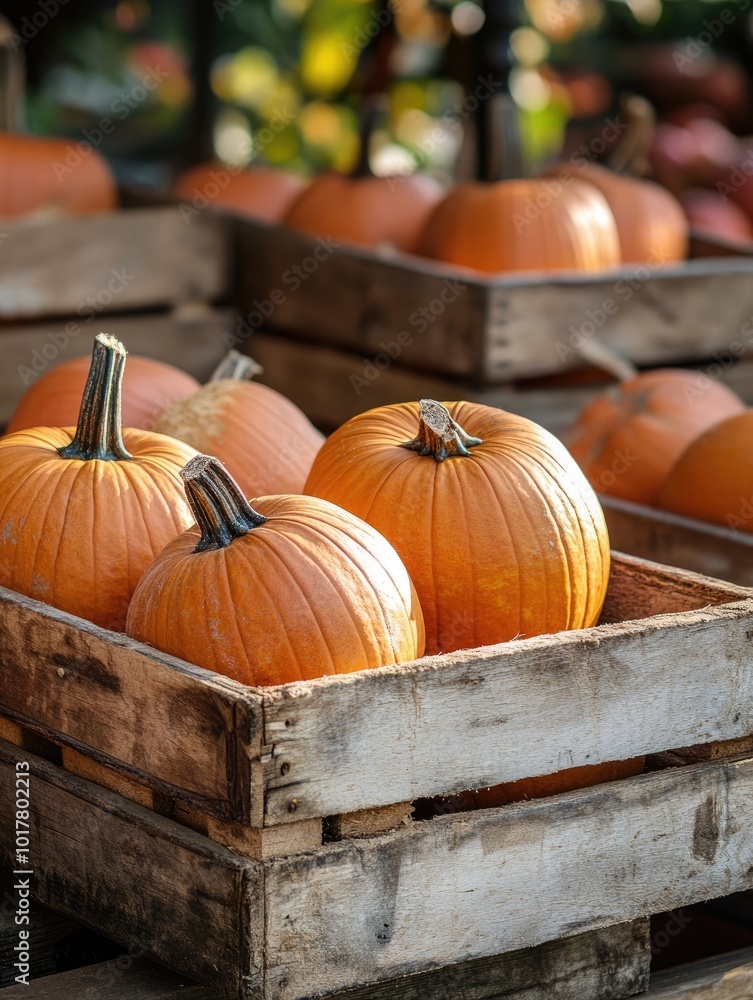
{"x":454,"y":322}
{"x":263,"y":839}
{"x":669,"y":538}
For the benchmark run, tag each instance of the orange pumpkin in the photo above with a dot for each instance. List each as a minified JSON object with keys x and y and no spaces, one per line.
{"x":366,"y":210}
{"x":713,"y":478}
{"x":520,"y":225}
{"x":54,"y":399}
{"x":84,"y":511}
{"x":500,"y":532}
{"x":290,"y":589}
{"x":541,"y":787}
{"x":627,"y":440}
{"x":259,"y":192}
{"x":265,"y":441}
{"x":35,"y":174}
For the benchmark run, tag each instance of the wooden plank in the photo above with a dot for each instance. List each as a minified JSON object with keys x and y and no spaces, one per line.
{"x":121,"y":979}
{"x":477,"y":717}
{"x":606,"y":964}
{"x":367,"y":822}
{"x":128,"y":872}
{"x":113,"y":261}
{"x":724,"y":977}
{"x":332,"y":385}
{"x":106,"y":777}
{"x":191,"y":338}
{"x":680,"y":541}
{"x":593,"y":857}
{"x":115,"y":700}
{"x":47,"y":930}
{"x":456,"y":322}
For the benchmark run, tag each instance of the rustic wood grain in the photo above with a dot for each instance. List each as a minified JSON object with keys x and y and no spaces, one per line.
{"x":106,"y":777}
{"x":367,"y":822}
{"x":119,"y":979}
{"x":191,"y":338}
{"x":495,"y":328}
{"x":680,"y":541}
{"x":116,"y":701}
{"x":51,"y":266}
{"x":606,"y":964}
{"x":465,"y":886}
{"x":138,"y":878}
{"x":477,"y":717}
{"x":724,"y":977}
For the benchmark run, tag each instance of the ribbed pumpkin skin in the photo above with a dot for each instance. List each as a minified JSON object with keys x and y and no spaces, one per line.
{"x":627,"y":440}
{"x":28,"y":181}
{"x":79,"y":534}
{"x":509,"y":541}
{"x":260,"y":192}
{"x":313,"y":591}
{"x":264,"y":440}
{"x":650,"y":221}
{"x":54,"y":399}
{"x":713,"y":478}
{"x":485,"y":226}
{"x":366,"y":210}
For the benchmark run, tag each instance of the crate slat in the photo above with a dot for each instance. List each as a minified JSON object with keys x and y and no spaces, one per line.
{"x":192,"y":339}
{"x":724,"y":977}
{"x":138,"y":980}
{"x":144,"y":258}
{"x":135,"y":876}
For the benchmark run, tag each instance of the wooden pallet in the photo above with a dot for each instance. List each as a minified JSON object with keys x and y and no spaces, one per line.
{"x":270,"y":831}
{"x":680,"y":541}
{"x":453,"y":322}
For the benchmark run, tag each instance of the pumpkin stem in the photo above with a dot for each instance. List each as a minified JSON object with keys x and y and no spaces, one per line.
{"x":99,"y":432}
{"x":236,"y":365}
{"x":372,"y":109}
{"x":218,"y":504}
{"x":438,"y":434}
{"x":630,"y":156}
{"x":505,"y":155}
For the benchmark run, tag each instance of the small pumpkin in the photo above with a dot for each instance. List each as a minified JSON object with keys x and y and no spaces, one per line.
{"x":35,"y":176}
{"x":500,"y":532}
{"x":627,"y":440}
{"x":713,"y":478}
{"x":83,"y":511}
{"x":258,"y":192}
{"x":265,"y":441}
{"x":290,"y":589}
{"x":54,"y":399}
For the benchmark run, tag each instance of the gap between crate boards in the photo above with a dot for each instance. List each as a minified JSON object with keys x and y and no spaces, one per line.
{"x":308,"y":834}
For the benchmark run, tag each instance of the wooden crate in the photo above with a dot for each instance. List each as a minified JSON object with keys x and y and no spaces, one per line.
{"x":453,"y":322}
{"x":139,"y":258}
{"x":726,"y":977}
{"x":264,"y":838}
{"x":680,"y":541}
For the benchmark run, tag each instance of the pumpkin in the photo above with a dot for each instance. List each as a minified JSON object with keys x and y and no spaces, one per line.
{"x":265,"y":441}
{"x":259,"y":193}
{"x":84,"y":510}
{"x":54,"y":399}
{"x":500,"y":532}
{"x":290,"y":589}
{"x":627,"y":440}
{"x":713,"y":478}
{"x":35,"y":174}
{"x":540,"y":787}
{"x":709,"y":211}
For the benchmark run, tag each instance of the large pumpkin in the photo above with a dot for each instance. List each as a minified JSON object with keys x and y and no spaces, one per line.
{"x":523,"y":225}
{"x":500,"y":532}
{"x":54,"y":399}
{"x":265,"y":441}
{"x":37,"y":173}
{"x":83,"y":511}
{"x":259,"y":192}
{"x":290,"y":589}
{"x":713,"y":478}
{"x":627,"y":440}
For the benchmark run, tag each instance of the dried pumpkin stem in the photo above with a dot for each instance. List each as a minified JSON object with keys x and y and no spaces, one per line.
{"x":438,"y":434}
{"x":218,"y":504}
{"x":236,"y":365}
{"x":99,"y":432}
{"x":630,"y":155}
